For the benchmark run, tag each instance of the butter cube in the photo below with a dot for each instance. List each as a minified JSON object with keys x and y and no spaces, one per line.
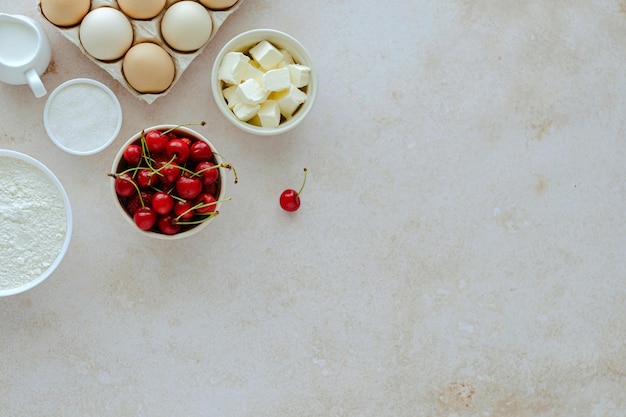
{"x":289,"y":100}
{"x":252,"y":71}
{"x":245,"y":112}
{"x":233,"y":67}
{"x":250,"y":92}
{"x":231,"y":96}
{"x":269,"y":114}
{"x":266,"y":54}
{"x":287,"y":58}
{"x":277,"y":79}
{"x":299,"y":75}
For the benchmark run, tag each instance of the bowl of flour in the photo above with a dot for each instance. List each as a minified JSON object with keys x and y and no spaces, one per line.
{"x":35,"y":222}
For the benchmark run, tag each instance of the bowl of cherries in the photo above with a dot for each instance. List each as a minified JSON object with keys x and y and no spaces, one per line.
{"x":168,"y":181}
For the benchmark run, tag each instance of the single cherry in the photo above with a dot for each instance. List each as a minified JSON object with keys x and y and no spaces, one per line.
{"x":170,"y":173}
{"x":183,"y":209}
{"x":132,"y":154}
{"x":209,"y":171}
{"x":189,"y":187}
{"x":145,"y":218}
{"x":167,"y":225}
{"x":200,"y":151}
{"x":290,"y":199}
{"x":125,"y":185}
{"x":147,"y":178}
{"x":156,"y":141}
{"x":206,"y":203}
{"x":177,"y":150}
{"x":162,"y":202}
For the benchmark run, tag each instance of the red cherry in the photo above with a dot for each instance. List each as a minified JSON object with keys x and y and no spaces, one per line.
{"x":183,"y":209}
{"x":210,"y":172}
{"x":200,"y":151}
{"x":132,"y":154}
{"x":162,"y":203}
{"x":208,"y":202}
{"x":167,"y":225}
{"x":124,"y":185}
{"x":177,"y":150}
{"x":169,"y":173}
{"x":189,"y":187}
{"x":156,"y":141}
{"x":147,"y":178}
{"x":290,"y":199}
{"x":145,"y":218}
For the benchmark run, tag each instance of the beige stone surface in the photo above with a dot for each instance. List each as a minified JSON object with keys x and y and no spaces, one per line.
{"x":460,"y":249}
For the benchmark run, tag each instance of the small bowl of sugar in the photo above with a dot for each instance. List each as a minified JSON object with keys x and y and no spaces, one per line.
{"x":82,"y":116}
{"x":36,"y":220}
{"x":264,"y":82}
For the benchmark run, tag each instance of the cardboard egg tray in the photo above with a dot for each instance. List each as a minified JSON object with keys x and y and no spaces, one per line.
{"x":145,"y":30}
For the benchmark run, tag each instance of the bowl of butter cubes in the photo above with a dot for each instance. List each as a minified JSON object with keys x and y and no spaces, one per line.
{"x":263,"y":81}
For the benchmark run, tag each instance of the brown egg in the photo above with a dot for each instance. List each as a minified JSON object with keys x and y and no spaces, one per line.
{"x":141,"y":9}
{"x":65,"y":12}
{"x":148,"y":68}
{"x":218,"y":4}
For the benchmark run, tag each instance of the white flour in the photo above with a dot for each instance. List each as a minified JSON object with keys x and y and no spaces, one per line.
{"x":33,"y":222}
{"x":82,"y":117}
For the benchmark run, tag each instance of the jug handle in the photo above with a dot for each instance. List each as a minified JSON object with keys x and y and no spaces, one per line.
{"x":35,"y":83}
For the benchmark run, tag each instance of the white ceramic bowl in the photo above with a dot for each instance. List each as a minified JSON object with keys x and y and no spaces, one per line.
{"x":118,"y":164}
{"x":45,"y":172}
{"x":242,"y":43}
{"x":82,"y":116}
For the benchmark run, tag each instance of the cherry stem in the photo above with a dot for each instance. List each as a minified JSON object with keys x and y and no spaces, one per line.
{"x":228,"y":166}
{"x":202,"y":123}
{"x":144,"y":151}
{"x":132,"y":170}
{"x":197,"y":206}
{"x":208,"y":216}
{"x":166,"y":164}
{"x":303,"y":182}
{"x":199,"y":173}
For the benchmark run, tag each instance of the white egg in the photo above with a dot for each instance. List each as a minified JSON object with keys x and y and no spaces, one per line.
{"x":186,"y":26}
{"x":106,"y":33}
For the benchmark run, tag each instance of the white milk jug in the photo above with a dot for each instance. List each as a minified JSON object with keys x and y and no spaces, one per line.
{"x":24,"y":52}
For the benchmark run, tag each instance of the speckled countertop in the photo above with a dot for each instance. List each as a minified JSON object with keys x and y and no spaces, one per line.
{"x":460,"y":250}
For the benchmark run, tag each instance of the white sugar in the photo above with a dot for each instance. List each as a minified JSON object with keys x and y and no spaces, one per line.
{"x":82,"y":117}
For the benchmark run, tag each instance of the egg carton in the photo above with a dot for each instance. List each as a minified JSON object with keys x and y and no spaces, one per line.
{"x":145,"y":30}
